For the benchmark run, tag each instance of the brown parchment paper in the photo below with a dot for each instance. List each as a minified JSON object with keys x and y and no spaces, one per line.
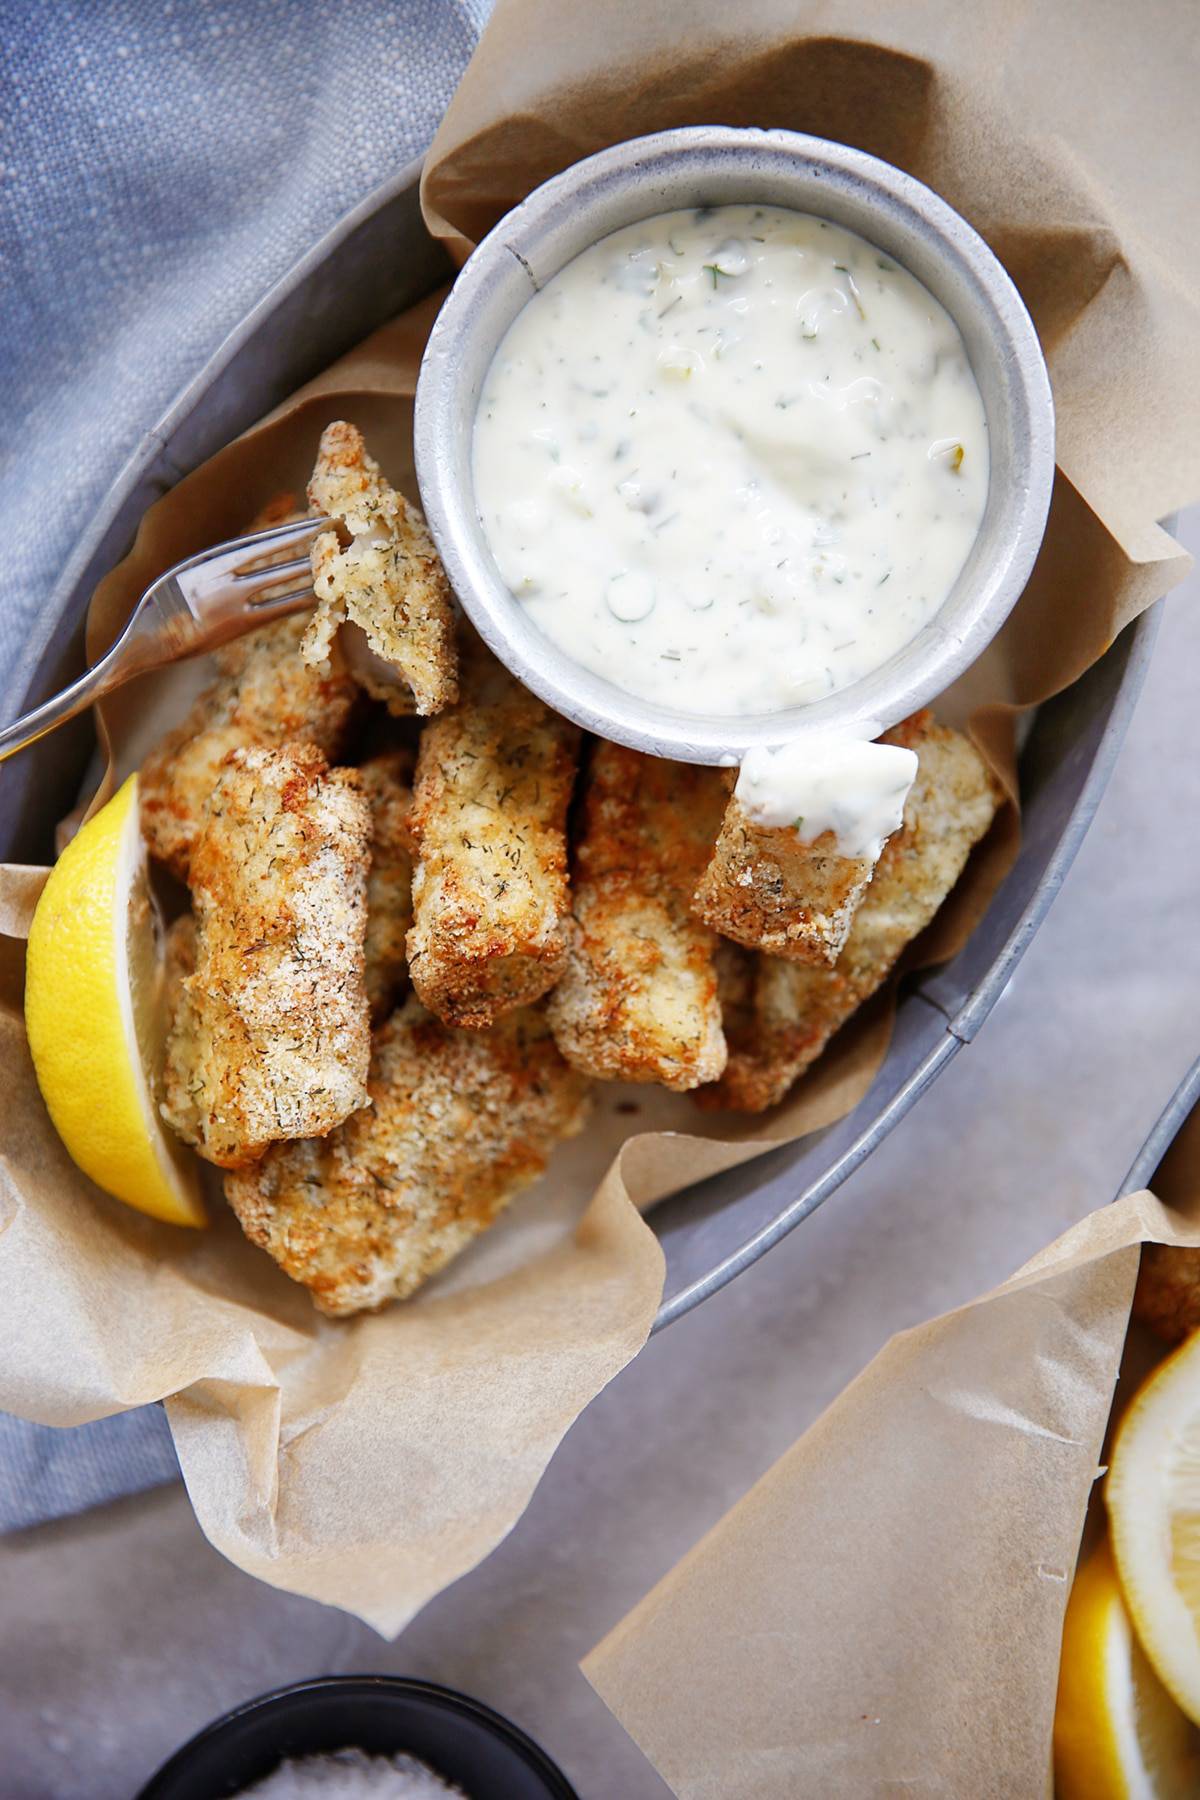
{"x":369,"y":1464}
{"x":882,"y":1613}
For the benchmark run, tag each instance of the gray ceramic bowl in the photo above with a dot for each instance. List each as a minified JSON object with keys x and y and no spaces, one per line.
{"x":709,"y":165}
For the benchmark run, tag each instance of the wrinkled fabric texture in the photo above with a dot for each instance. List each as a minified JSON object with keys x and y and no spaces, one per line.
{"x":162,"y":164}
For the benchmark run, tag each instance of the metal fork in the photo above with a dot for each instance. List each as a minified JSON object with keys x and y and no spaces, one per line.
{"x":198,"y":605}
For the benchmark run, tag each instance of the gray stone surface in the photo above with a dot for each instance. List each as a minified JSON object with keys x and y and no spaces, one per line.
{"x":123,"y":1632}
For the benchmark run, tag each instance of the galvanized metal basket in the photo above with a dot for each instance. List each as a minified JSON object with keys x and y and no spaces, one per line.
{"x":377,"y":262}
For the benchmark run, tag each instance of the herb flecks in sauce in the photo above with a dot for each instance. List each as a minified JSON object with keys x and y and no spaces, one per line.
{"x":709,"y":442}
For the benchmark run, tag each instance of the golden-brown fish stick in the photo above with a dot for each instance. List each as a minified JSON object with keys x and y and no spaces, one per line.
{"x":769,"y":889}
{"x":264,"y":694}
{"x":178,"y":1102}
{"x":1167,"y":1297}
{"x":796,"y":1008}
{"x":385,"y":782}
{"x":461,"y":1121}
{"x":271,"y":1039}
{"x":389,"y":580}
{"x":638,"y":1000}
{"x":488,"y":826}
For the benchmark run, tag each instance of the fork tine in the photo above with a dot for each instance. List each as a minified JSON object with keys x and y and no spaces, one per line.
{"x":276,"y":537}
{"x":274,"y":572}
{"x":270,"y":605}
{"x":230,"y":559}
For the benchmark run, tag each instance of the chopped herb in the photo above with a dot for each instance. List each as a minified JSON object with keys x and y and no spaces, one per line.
{"x":884,"y":578}
{"x":666,"y":309}
{"x":860,"y":455}
{"x":714,"y":272}
{"x":853,"y":286}
{"x":875,"y":341}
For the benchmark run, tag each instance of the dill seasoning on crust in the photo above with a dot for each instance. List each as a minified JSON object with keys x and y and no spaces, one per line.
{"x":489,"y":830}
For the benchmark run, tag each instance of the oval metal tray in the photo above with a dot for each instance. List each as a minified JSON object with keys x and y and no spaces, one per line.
{"x":375,"y":263}
{"x":1163,"y":1132}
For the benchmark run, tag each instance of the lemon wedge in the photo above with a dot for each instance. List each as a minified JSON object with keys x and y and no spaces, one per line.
{"x":1153,"y":1494}
{"x":95,"y":1014}
{"x":1118,"y":1735}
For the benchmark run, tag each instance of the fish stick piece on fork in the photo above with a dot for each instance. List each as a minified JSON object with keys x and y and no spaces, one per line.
{"x":772,"y":886}
{"x":388,"y":580}
{"x":796,"y":1008}
{"x":488,"y":826}
{"x":270,"y":1038}
{"x":461,"y":1121}
{"x":385,"y":782}
{"x":638,"y":1000}
{"x":265,"y":693}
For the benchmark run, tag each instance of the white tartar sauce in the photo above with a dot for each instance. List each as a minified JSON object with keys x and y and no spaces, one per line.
{"x":845,"y":785}
{"x":731,"y":459}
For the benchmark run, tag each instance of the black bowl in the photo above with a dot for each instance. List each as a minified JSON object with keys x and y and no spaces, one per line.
{"x":460,"y":1739}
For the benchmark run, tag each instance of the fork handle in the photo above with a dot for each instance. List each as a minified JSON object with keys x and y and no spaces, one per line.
{"x":113,"y":668}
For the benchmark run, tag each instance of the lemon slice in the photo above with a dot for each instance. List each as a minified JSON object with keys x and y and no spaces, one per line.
{"x":1153,"y":1494}
{"x":96,"y":1016}
{"x":1118,"y":1735}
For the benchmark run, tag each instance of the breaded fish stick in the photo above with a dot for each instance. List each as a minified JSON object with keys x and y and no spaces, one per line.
{"x":385,"y":782}
{"x":488,"y":825}
{"x":389,"y":580}
{"x":271,"y":1038}
{"x":638,"y":999}
{"x":1167,"y":1297}
{"x":264,"y":694}
{"x":771,"y":887}
{"x":461,"y":1121}
{"x":770,"y":890}
{"x":797,"y":1009}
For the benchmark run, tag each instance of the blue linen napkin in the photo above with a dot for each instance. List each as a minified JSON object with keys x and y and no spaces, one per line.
{"x":162,"y":163}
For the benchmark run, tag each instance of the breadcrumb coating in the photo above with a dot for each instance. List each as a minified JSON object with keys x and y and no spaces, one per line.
{"x":264,"y":694}
{"x":638,"y":998}
{"x":385,"y":782}
{"x":389,"y":579}
{"x":1167,"y":1297}
{"x":270,"y":1039}
{"x":797,"y":1008}
{"x":374,"y":676}
{"x":460,"y":1122}
{"x":770,"y":890}
{"x":488,"y":827}
{"x":179,"y":962}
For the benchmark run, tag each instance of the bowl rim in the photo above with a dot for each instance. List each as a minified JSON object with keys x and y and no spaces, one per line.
{"x":941,"y":651}
{"x":451,"y":1700}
